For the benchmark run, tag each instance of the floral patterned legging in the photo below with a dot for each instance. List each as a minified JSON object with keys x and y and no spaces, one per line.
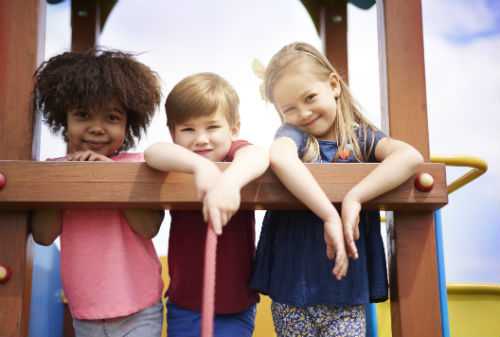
{"x":319,"y":321}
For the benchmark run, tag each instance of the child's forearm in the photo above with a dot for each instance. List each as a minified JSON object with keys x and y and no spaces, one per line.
{"x":145,"y":222}
{"x":46,"y":225}
{"x":395,"y":169}
{"x":172,"y":157}
{"x":250,"y":162}
{"x":299,"y":180}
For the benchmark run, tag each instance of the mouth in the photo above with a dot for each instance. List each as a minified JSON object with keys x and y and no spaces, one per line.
{"x":203,"y":152}
{"x":93,"y":145}
{"x":310,"y":122}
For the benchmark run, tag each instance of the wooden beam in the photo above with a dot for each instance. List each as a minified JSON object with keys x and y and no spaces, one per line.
{"x":85,"y":24}
{"x":414,"y":274}
{"x":15,"y":253}
{"x":21,"y":50}
{"x":402,"y":70}
{"x":333,"y":33}
{"x":414,"y":278}
{"x":313,"y":9}
{"x":84,"y":184}
{"x":22,"y":34}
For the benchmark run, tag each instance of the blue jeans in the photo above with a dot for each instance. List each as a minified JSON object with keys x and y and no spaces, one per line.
{"x":187,"y":323}
{"x":144,"y":323}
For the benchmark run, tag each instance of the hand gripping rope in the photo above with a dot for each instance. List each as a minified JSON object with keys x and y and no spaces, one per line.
{"x":208,"y":301}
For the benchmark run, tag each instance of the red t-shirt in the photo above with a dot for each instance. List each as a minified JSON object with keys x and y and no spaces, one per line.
{"x":235,"y":254}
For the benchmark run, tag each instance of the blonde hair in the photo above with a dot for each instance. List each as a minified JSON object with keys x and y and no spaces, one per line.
{"x":348,"y":112}
{"x":201,"y":95}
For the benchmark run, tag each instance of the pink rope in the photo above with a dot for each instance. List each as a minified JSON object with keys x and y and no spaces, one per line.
{"x":208,"y":301}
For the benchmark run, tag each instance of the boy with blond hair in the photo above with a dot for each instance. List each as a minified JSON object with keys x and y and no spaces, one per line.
{"x":203,"y":120}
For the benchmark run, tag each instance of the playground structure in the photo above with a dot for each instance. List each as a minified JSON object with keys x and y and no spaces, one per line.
{"x":470,"y":310}
{"x":414,"y":272}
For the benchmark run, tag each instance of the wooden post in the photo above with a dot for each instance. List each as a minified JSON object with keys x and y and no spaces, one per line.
{"x":85,"y":24}
{"x":333,"y":33}
{"x":22,"y":35}
{"x":414,"y":277}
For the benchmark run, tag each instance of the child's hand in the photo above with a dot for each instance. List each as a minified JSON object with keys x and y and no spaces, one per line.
{"x":206,"y":176}
{"x":86,"y":156}
{"x":350,"y":218}
{"x":335,"y":248}
{"x":220,"y":204}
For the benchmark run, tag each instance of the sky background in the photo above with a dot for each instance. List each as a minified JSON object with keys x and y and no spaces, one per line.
{"x":462,"y":59}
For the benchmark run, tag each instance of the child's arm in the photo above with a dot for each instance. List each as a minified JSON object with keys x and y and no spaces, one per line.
{"x":46,"y":225}
{"x":223,"y":200}
{"x":172,"y":157}
{"x":398,"y":161}
{"x":292,"y":172}
{"x":143,"y":221}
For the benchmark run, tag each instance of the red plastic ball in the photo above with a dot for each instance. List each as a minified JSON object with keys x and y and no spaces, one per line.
{"x":424,"y":182}
{"x":3,"y":181}
{"x":5,"y":274}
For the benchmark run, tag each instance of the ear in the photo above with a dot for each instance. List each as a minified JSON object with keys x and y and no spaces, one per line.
{"x":335,"y":84}
{"x":172,"y":132}
{"x":235,"y":131}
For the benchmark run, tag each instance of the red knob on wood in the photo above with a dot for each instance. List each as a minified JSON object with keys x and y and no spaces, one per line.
{"x":5,"y":274}
{"x":424,"y":182}
{"x":3,"y":181}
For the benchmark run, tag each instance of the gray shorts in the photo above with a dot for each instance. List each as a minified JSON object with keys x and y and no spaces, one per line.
{"x":144,"y":323}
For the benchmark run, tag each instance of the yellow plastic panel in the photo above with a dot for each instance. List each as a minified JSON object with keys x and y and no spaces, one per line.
{"x":473,"y":309}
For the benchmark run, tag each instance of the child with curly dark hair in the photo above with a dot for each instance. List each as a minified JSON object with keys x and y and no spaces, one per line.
{"x":102,"y":101}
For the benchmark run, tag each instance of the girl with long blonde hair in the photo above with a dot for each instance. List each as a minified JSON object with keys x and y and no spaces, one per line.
{"x":299,"y":251}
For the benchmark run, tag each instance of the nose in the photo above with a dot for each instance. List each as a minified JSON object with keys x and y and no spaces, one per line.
{"x":201,"y":138}
{"x":305,"y":114}
{"x":96,"y":127}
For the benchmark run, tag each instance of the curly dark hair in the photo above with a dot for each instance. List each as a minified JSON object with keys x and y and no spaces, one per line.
{"x":93,"y":80}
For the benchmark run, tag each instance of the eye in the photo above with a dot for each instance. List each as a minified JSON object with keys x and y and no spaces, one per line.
{"x":310,"y":98}
{"x":115,"y":117}
{"x":213,"y":126}
{"x":288,"y":111}
{"x":80,"y":114}
{"x":186,"y":130}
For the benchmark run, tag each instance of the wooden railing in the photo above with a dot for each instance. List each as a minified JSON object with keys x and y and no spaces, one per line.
{"x":31,"y":184}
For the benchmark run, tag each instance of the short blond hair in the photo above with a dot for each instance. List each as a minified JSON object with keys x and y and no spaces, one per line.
{"x":202,"y":95}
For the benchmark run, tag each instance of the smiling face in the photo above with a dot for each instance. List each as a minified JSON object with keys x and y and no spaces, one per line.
{"x":308,"y":102}
{"x":100,"y":130}
{"x":209,"y":136}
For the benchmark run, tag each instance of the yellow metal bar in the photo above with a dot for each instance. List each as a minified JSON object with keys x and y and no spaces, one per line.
{"x":478,"y":168}
{"x":474,"y":288}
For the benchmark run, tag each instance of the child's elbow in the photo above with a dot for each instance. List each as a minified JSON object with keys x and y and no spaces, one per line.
{"x":263,"y":155}
{"x":274,"y":158}
{"x":275,"y":154}
{"x":43,"y":240}
{"x":279,"y":156}
{"x":150,"y":233}
{"x":415,"y":158}
{"x":45,"y":226}
{"x":153,"y":156}
{"x":149,"y":154}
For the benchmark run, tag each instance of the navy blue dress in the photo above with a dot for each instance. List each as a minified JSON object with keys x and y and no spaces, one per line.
{"x":291,"y":263}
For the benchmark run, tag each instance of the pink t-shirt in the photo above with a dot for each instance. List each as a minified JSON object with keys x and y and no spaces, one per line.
{"x":107,"y":269}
